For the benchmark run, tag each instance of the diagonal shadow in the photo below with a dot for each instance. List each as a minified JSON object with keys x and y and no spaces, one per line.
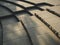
{"x":32,"y":32}
{"x":17,"y":5}
{"x":27,"y":8}
{"x":32,"y":4}
{"x":53,"y":12}
{"x":9,"y":11}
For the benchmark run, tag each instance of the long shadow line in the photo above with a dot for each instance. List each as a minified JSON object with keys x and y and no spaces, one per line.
{"x":18,"y":6}
{"x":27,"y":8}
{"x":53,"y":12}
{"x":3,"y":17}
{"x":45,"y":4}
{"x":41,"y":4}
{"x":32,"y":7}
{"x":9,"y":11}
{"x":1,"y":41}
{"x":18,"y":12}
{"x":32,"y":4}
{"x":27,"y":32}
{"x":13,"y":15}
{"x":48,"y":25}
{"x":5,"y":8}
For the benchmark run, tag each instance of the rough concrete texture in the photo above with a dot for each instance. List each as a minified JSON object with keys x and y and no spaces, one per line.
{"x":13,"y":32}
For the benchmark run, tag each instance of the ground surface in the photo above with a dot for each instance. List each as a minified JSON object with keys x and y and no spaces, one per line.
{"x":42,"y":28}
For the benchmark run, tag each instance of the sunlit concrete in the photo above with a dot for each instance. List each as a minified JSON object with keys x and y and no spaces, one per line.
{"x":14,"y":32}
